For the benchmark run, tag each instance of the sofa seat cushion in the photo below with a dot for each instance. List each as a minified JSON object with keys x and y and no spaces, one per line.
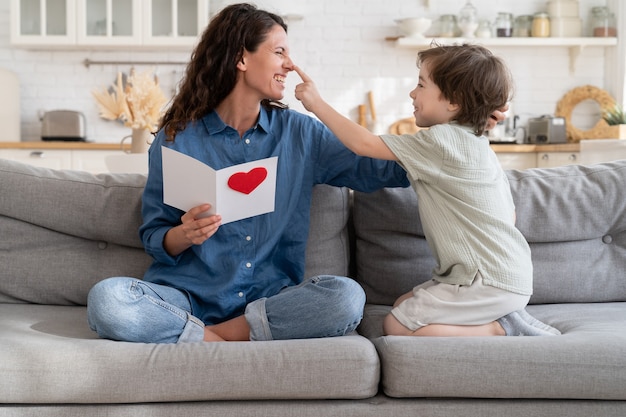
{"x":588,"y":361}
{"x":50,"y":356}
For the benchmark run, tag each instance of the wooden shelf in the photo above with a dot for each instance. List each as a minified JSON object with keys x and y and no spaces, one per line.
{"x":423,"y":43}
{"x":575,"y":45}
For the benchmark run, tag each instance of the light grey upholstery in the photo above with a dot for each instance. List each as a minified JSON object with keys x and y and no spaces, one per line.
{"x":62,"y":231}
{"x":574,"y":218}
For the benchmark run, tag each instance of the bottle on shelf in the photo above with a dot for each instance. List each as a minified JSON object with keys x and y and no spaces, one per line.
{"x":484,"y":29}
{"x":522,"y":27}
{"x":468,"y":20}
{"x":448,"y":27}
{"x":603,"y":22}
{"x":541,"y":25}
{"x":504,"y":25}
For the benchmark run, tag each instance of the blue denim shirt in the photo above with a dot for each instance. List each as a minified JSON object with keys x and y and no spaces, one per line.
{"x":258,"y":256}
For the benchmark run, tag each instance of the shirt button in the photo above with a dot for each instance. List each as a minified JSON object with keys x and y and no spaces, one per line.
{"x":248,"y":265}
{"x":240,"y":294}
{"x":247,"y":141}
{"x":248,"y":238}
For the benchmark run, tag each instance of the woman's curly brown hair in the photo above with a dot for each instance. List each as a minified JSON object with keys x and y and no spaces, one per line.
{"x":471,"y":77}
{"x":212,"y":72}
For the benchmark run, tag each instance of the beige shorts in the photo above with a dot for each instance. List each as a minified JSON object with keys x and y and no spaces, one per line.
{"x":436,"y":303}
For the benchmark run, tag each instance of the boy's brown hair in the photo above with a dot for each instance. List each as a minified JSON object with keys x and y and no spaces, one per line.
{"x":471,"y":77}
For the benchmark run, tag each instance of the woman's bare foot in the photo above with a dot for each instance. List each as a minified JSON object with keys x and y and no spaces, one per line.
{"x":209,"y":336}
{"x":233,"y":330}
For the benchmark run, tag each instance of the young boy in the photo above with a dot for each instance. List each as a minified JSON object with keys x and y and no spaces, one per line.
{"x":483,"y":279}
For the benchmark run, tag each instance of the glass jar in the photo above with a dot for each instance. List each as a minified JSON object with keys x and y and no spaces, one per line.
{"x":468,"y":21}
{"x":541,"y":25}
{"x":523,"y":26}
{"x":447,"y":26}
{"x":504,"y":25}
{"x":603,"y":22}
{"x":484,"y":29}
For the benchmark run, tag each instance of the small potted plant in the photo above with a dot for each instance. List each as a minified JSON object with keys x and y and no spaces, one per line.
{"x":616,"y":119}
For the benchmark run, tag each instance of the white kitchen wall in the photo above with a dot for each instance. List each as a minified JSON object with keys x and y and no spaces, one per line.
{"x":340,"y":43}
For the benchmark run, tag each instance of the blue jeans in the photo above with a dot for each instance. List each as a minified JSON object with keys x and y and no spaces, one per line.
{"x":132,"y":310}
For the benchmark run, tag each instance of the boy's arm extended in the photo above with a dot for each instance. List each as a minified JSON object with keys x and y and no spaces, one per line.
{"x":357,"y":138}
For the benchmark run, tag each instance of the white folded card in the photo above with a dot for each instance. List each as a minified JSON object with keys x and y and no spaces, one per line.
{"x":235,"y":193}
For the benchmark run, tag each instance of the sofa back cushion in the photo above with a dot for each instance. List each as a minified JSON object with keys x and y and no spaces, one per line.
{"x":63,"y":231}
{"x":573,"y":218}
{"x":328,"y":247}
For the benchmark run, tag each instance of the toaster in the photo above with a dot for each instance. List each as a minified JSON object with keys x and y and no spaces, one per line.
{"x":63,"y":125}
{"x":546,"y":130}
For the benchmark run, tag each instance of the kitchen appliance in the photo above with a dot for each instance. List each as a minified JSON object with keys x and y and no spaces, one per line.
{"x":10,"y":106}
{"x":546,"y":129}
{"x":507,"y":131}
{"x":63,"y":125}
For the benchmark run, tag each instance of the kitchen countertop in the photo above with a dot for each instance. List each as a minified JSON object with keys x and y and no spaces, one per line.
{"x":62,"y":145}
{"x":525,"y":148}
{"x":513,"y":148}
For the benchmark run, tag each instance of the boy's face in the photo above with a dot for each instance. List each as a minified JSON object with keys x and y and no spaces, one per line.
{"x":429,"y":105}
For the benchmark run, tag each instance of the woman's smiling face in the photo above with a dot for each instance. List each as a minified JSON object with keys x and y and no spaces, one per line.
{"x":265,"y":70}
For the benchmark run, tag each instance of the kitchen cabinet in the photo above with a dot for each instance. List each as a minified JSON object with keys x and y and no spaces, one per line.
{"x":555,"y":159}
{"x":174,"y":22}
{"x":43,"y":22}
{"x":524,"y":156}
{"x":76,"y":24}
{"x":108,"y":22}
{"x":517,"y":160}
{"x":46,"y":158}
{"x":91,"y":161}
{"x":80,"y":156}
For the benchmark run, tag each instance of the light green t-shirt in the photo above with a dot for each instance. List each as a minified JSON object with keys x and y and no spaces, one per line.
{"x":466,"y":207}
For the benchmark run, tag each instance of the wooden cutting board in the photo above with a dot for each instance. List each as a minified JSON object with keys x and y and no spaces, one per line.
{"x":9,"y":106}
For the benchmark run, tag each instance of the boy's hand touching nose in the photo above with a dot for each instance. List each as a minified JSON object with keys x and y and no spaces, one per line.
{"x":306,"y":91}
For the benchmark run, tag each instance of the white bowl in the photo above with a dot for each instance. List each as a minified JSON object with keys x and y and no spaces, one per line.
{"x":414,"y":27}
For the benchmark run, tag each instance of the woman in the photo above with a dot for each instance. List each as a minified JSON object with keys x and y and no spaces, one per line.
{"x":242,"y":280}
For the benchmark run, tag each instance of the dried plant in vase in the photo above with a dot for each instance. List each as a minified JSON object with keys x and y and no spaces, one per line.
{"x":138,"y":103}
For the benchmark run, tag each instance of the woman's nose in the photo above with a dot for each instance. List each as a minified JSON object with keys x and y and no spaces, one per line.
{"x":288,"y":64}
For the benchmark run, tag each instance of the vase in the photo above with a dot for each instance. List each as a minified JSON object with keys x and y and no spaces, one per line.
{"x":140,"y":140}
{"x":610,"y":132}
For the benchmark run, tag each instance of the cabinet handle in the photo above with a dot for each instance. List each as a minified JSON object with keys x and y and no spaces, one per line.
{"x":545,"y":156}
{"x":572,"y":157}
{"x":37,"y":154}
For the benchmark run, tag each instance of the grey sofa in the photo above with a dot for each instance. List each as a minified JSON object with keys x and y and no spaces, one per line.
{"x":62,"y":231}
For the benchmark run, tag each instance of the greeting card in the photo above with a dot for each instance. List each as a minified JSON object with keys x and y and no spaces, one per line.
{"x":235,"y":192}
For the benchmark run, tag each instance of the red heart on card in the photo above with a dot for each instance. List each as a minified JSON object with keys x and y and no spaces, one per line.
{"x":246,"y":182}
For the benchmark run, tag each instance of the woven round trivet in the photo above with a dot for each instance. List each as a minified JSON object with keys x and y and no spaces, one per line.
{"x":571,"y":99}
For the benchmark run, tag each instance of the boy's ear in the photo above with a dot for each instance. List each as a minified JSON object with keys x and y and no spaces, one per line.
{"x":453,"y":108}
